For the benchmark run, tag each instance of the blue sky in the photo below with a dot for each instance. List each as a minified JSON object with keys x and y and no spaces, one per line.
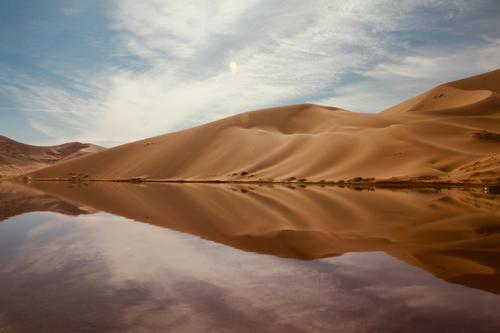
{"x":111,"y":72}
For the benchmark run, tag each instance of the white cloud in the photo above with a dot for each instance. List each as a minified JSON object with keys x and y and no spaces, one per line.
{"x":177,"y":29}
{"x":285,"y":51}
{"x":394,"y":80}
{"x":489,"y":56}
{"x":427,"y":64}
{"x":412,"y":67}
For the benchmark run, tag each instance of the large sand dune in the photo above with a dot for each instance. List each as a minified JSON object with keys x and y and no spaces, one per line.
{"x":450,"y":133}
{"x":17,"y":158}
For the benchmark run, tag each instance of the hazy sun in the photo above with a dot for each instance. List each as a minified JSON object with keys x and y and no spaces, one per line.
{"x":233,"y":66}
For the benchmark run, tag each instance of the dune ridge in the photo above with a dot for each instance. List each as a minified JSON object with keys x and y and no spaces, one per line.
{"x":448,"y":134}
{"x":17,"y":158}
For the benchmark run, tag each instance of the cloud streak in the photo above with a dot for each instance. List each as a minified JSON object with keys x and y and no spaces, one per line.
{"x":286,"y":52}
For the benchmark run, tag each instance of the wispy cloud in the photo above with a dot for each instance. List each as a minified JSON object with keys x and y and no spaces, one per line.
{"x":285,"y":51}
{"x":398,"y":78}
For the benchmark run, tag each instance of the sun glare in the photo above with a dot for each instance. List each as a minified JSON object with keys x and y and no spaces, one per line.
{"x":233,"y":67}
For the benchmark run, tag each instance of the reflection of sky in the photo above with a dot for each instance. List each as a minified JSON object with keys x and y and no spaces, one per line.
{"x":103,"y":271}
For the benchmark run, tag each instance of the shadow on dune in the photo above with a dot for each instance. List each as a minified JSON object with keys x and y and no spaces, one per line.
{"x":453,"y":234}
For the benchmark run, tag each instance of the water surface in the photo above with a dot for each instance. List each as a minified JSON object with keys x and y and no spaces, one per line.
{"x":220,"y":258}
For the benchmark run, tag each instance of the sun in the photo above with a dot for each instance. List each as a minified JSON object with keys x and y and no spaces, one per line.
{"x":233,"y":67}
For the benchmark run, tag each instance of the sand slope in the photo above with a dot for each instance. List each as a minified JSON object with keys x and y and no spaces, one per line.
{"x":450,"y":133}
{"x":17,"y":158}
{"x":454,"y":234}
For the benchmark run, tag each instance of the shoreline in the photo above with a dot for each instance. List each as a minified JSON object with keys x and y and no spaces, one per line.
{"x":380,"y":184}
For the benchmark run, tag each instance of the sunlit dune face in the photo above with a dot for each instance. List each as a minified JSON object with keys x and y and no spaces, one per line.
{"x":233,"y":67}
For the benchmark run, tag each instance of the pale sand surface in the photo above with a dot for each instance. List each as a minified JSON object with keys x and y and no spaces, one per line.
{"x":453,"y":234}
{"x":448,"y":134}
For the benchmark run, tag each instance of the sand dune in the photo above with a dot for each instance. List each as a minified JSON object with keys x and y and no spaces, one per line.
{"x":454,"y":234}
{"x":448,"y":134}
{"x":17,"y":158}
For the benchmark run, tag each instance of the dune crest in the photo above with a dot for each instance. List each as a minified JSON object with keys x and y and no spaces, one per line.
{"x":443,"y":97}
{"x":429,"y":138}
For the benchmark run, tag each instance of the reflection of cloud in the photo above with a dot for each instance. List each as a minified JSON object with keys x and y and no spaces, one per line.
{"x":141,"y":275}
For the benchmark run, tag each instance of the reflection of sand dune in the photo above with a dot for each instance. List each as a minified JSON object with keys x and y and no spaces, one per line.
{"x":16,"y":199}
{"x":440,"y":135}
{"x":454,"y":234}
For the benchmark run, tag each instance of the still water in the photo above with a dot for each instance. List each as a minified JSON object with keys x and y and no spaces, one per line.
{"x":225,"y":258}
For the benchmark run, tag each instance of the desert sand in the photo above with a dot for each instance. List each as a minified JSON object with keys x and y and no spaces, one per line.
{"x":448,"y":134}
{"x":453,"y":234}
{"x":17,"y":158}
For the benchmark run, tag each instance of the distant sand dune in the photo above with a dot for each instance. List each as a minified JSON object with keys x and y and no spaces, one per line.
{"x":431,"y":137}
{"x":17,"y":158}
